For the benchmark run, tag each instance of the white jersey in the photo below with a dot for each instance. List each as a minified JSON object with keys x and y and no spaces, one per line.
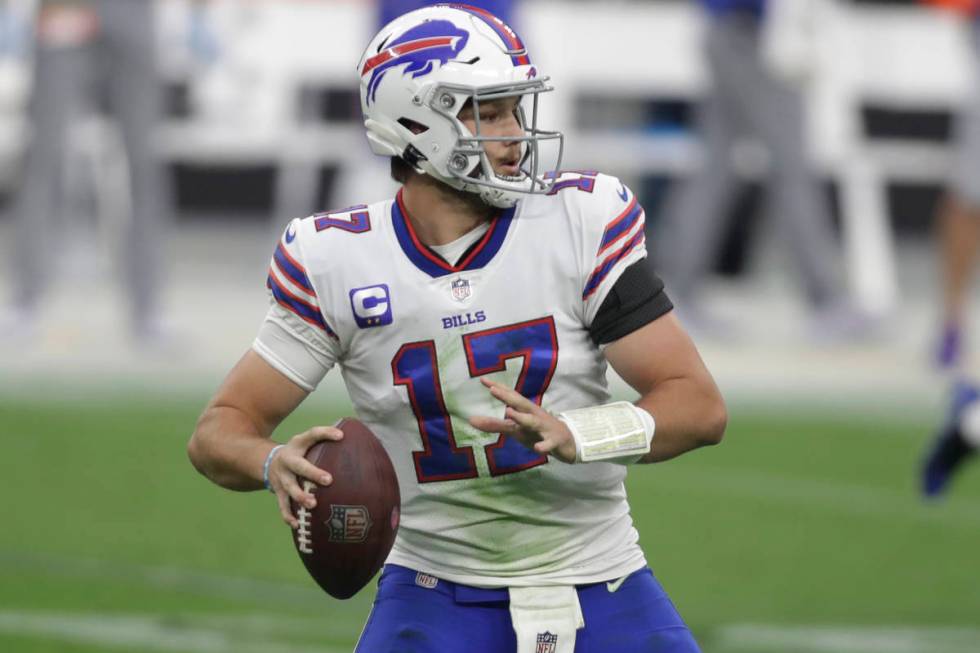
{"x":413,"y":335}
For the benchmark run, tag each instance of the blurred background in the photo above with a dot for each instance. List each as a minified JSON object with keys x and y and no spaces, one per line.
{"x":152,"y":151}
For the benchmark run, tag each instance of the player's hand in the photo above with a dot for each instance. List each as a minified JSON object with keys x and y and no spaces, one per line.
{"x":289,"y":467}
{"x":528,"y":423}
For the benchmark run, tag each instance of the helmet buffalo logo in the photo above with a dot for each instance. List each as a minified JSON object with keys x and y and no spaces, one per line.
{"x":422,"y":47}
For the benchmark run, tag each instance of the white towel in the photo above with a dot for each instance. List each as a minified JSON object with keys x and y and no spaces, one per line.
{"x":545,"y":618}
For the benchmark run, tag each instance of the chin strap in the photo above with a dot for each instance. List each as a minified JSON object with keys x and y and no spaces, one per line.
{"x":414,"y":158}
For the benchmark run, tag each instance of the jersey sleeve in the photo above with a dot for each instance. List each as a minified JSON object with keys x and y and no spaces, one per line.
{"x":613,"y":221}
{"x":295,"y":338}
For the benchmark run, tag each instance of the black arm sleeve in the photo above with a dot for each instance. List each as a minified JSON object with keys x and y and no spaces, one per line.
{"x":636,"y":299}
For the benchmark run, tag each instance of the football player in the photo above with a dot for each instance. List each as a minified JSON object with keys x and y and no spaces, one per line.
{"x":473,"y":318}
{"x":959,"y":437}
{"x":955,"y":443}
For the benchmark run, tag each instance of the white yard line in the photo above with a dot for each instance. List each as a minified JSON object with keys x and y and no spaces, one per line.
{"x":158,"y":633}
{"x":760,"y":638}
{"x":194,"y":581}
{"x":263,"y":634}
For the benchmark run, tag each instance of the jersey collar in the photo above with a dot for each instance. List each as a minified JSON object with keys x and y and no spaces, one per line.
{"x":425,"y":259}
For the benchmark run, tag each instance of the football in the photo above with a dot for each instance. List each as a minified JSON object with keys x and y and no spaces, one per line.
{"x":346,"y":538}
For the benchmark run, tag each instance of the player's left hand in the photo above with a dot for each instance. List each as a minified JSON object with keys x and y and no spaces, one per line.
{"x":528,"y":423}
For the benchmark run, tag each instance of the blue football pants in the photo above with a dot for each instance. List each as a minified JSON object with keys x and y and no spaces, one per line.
{"x":413,"y":617}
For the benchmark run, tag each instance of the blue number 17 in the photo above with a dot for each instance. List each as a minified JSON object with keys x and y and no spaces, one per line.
{"x":416,"y":367}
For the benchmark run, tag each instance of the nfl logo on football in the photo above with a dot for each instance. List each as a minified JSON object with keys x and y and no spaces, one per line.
{"x":547,"y":643}
{"x":461,"y":289}
{"x":349,"y":523}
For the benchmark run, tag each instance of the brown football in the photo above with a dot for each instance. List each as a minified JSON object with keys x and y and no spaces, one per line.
{"x":345,"y":539}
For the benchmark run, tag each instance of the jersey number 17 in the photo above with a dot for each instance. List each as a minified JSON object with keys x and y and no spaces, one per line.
{"x":416,"y":367}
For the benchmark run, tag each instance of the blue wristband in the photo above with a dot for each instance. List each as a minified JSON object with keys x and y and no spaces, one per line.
{"x":265,"y":466}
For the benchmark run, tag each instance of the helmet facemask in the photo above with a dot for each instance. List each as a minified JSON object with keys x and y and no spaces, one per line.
{"x":468,"y":165}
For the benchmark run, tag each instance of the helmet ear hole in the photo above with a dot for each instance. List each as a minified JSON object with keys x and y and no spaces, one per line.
{"x":413,"y":126}
{"x":459,"y":162}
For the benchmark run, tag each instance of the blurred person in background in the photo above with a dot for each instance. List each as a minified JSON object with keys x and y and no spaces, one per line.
{"x":959,"y":235}
{"x":755,"y":95}
{"x":959,"y":213}
{"x":77,"y":42}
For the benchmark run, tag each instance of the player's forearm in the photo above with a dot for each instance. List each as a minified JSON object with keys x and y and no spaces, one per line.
{"x":688,"y":413}
{"x":229,"y":449}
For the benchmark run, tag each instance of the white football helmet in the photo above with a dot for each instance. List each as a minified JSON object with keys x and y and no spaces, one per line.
{"x":417,"y":74}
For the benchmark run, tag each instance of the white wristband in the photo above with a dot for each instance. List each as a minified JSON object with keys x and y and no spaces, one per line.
{"x":617,"y":433}
{"x":265,"y":466}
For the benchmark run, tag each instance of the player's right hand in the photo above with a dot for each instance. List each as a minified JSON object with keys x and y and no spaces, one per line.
{"x":290,"y":465}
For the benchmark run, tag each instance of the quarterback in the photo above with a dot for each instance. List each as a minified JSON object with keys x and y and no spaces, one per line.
{"x":473,"y":317}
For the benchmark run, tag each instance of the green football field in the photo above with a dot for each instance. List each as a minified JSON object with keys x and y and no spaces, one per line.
{"x":800,"y":533}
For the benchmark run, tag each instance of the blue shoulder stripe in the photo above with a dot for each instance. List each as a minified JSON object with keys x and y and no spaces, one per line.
{"x":604,"y":268}
{"x":292,"y":269}
{"x":620,"y":225}
{"x":305,"y":311}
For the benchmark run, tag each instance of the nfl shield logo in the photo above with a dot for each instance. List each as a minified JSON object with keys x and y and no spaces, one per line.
{"x":426,"y":581}
{"x":547,"y":642}
{"x":349,"y":523}
{"x":460,"y":288}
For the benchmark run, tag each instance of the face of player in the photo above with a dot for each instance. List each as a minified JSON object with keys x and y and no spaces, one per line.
{"x":498,"y":118}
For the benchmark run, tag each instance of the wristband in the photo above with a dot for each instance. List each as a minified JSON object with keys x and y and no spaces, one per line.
{"x":617,"y":433}
{"x":265,"y":465}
